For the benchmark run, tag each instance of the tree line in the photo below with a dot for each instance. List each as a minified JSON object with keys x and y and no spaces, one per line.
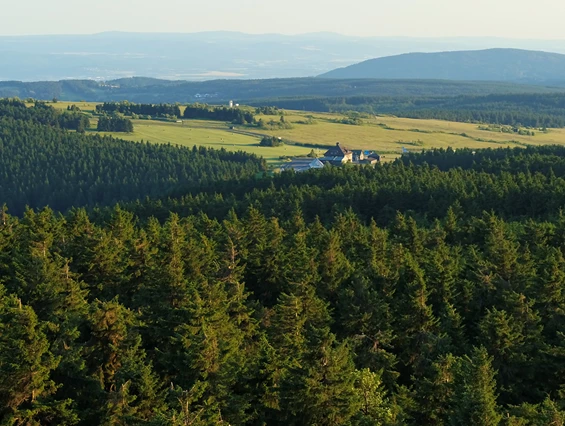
{"x":531,"y":110}
{"x":192,"y":111}
{"x":114,"y":123}
{"x":513,"y":183}
{"x":206,"y":112}
{"x":269,"y":110}
{"x":129,"y":108}
{"x":271,"y":141}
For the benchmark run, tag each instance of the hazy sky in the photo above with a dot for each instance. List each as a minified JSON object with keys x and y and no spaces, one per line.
{"x":503,"y":18}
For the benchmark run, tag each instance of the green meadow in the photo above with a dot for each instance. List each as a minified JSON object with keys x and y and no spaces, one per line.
{"x":187,"y":135}
{"x":384,"y":134}
{"x":389,"y":135}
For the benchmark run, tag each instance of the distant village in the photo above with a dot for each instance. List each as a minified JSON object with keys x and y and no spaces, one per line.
{"x":335,"y":156}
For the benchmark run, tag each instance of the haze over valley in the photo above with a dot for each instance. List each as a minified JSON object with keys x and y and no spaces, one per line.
{"x":212,"y":55}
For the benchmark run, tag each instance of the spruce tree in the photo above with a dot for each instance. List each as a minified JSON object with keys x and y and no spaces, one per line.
{"x":375,"y":406}
{"x":25,"y":366}
{"x":474,"y":399}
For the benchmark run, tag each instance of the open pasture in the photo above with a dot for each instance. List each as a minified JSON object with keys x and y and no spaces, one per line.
{"x":384,"y":134}
{"x":389,"y":135}
{"x":187,"y":135}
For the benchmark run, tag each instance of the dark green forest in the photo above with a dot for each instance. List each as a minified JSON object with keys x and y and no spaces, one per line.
{"x":44,"y":165}
{"x":428,"y":291}
{"x":150,"y":90}
{"x":192,"y":111}
{"x":532,"y":110}
{"x":43,"y":114}
{"x":114,"y":123}
{"x":206,"y":112}
{"x":128,"y":108}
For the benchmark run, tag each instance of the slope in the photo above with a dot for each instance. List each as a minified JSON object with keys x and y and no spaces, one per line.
{"x":511,"y":65}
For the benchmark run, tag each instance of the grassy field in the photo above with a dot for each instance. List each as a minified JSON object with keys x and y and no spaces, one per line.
{"x":212,"y":134}
{"x":389,"y":134}
{"x":187,"y":135}
{"x":384,"y":134}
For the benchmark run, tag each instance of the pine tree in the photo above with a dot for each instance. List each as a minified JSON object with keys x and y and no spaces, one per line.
{"x":45,"y":280}
{"x":442,"y":267}
{"x":295,"y":315}
{"x":418,"y":332}
{"x":546,"y":413}
{"x":474,"y":398}
{"x":326,"y":393}
{"x":549,"y":293}
{"x":7,"y":240}
{"x":375,"y":407}
{"x":514,"y":340}
{"x":334,"y":266}
{"x":165,"y":290}
{"x":435,"y":391}
{"x":365,"y":316}
{"x":25,"y":362}
{"x":127,"y":388}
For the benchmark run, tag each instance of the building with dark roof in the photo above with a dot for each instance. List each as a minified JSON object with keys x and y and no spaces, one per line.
{"x":302,"y":164}
{"x":338,"y":155}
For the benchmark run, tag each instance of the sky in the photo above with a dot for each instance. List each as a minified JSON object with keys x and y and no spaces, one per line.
{"x":524,"y":19}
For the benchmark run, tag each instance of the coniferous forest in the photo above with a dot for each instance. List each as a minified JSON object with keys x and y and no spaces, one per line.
{"x":527,"y":109}
{"x":42,"y":164}
{"x":43,"y":114}
{"x":128,"y":108}
{"x":114,"y":124}
{"x":428,"y":291}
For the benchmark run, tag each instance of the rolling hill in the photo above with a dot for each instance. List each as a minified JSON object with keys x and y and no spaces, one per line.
{"x":219,"y":91}
{"x":510,"y":65}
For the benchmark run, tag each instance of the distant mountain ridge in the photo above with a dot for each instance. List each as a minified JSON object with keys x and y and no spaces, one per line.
{"x":211,"y":55}
{"x":509,"y":65}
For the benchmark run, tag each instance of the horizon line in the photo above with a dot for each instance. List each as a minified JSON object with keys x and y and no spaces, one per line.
{"x":314,"y":33}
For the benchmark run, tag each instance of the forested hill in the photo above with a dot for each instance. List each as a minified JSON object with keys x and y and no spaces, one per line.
{"x":42,"y":164}
{"x":511,"y":65}
{"x":424,"y":292}
{"x":144,"y":90}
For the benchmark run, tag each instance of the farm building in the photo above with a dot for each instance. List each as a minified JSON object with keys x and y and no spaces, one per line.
{"x":303,"y":164}
{"x":359,"y":154}
{"x":338,"y":155}
{"x":365,"y":157}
